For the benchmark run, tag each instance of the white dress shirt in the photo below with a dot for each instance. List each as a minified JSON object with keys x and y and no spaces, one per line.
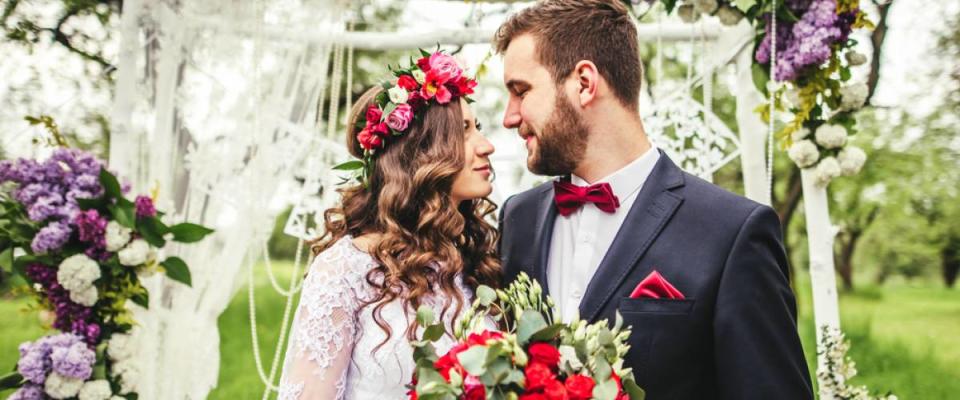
{"x":580,"y":240}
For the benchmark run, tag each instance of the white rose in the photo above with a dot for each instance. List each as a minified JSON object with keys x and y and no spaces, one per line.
{"x":705,"y":6}
{"x":420,"y":76}
{"x":117,"y":236}
{"x":853,"y":97}
{"x":86,"y":297}
{"x":61,"y":387}
{"x":851,"y":160}
{"x":831,"y":136}
{"x":120,"y":347}
{"x":398,"y":95}
{"x":800,"y":134}
{"x":729,"y":16}
{"x":827,"y":169}
{"x":687,"y":13}
{"x":77,"y":272}
{"x":95,"y":390}
{"x":855,"y":58}
{"x":135,"y":253}
{"x":804,"y":153}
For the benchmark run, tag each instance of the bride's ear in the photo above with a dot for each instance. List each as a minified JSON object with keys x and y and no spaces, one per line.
{"x":588,"y":81}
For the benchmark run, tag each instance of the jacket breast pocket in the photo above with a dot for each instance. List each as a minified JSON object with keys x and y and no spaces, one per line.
{"x":656,"y":306}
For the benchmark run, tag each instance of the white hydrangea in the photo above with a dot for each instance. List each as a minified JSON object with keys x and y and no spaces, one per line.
{"x":687,"y":13}
{"x":86,"y":297}
{"x":419,"y":75}
{"x":851,"y":160}
{"x":831,"y":136}
{"x":95,"y":390}
{"x":804,"y":153}
{"x":800,"y":134}
{"x":855,"y":58}
{"x":78,"y":272}
{"x":853,"y":97}
{"x":827,"y":169}
{"x":729,"y":16}
{"x":128,"y":373}
{"x":62,"y":387}
{"x":121,"y":346}
{"x":398,"y":95}
{"x":117,"y":236}
{"x":705,"y":6}
{"x":135,"y":253}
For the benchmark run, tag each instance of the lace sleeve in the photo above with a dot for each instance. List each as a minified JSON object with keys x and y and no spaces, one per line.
{"x":324,"y":329}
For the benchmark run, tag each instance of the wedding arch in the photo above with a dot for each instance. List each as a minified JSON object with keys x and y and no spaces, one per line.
{"x":218,"y":105}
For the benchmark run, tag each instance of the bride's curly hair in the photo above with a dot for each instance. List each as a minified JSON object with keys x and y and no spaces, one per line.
{"x":426,"y":239}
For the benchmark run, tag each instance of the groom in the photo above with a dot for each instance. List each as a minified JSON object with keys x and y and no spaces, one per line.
{"x":699,"y":273}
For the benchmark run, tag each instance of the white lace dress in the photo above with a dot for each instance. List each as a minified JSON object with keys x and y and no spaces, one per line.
{"x":329,"y":350}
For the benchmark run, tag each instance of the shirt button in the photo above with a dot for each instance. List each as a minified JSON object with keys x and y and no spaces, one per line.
{"x":576,"y":294}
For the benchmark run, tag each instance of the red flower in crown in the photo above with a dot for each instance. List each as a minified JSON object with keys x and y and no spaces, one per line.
{"x":373,"y":115}
{"x":407,"y":82}
{"x":368,"y":140}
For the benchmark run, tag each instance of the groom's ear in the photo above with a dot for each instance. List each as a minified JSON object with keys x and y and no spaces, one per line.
{"x":588,"y":82}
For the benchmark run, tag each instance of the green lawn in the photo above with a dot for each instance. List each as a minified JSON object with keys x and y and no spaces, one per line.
{"x":904,"y":337}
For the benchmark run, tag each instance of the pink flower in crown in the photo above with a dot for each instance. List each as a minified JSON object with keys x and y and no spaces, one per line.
{"x":444,"y":68}
{"x":400,"y":118}
{"x":434,"y":87}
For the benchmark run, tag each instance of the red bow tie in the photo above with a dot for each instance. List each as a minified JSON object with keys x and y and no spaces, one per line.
{"x":569,"y":197}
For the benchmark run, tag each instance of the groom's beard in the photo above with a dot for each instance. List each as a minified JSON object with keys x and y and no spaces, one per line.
{"x":562,"y":143}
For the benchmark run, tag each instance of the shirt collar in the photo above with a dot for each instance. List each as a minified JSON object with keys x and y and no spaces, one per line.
{"x":630,"y":178}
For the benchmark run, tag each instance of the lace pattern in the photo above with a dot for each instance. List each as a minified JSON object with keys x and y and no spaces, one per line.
{"x":333,"y":339}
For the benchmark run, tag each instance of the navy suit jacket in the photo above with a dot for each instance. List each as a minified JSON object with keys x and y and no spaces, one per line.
{"x":734,"y":336}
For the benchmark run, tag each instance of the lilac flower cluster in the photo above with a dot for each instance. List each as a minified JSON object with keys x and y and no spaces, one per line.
{"x":91,"y":227}
{"x":70,"y":316}
{"x":49,"y":191}
{"x":66,"y":354}
{"x":809,"y":41}
{"x":145,"y":207}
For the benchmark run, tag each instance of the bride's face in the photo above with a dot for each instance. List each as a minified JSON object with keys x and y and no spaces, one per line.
{"x":473,"y":181}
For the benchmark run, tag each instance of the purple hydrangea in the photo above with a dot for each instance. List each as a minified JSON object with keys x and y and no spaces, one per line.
{"x":145,"y":207}
{"x":807,"y":42}
{"x":75,"y":361}
{"x":65,"y":353}
{"x":28,"y":392}
{"x":51,"y":237}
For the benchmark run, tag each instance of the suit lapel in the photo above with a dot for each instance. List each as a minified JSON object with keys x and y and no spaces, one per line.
{"x":651,"y":211}
{"x":546,"y":217}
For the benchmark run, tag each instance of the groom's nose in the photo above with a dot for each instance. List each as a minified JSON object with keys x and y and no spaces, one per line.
{"x":512,"y":118}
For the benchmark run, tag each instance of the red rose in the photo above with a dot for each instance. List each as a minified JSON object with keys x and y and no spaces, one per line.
{"x":424,"y":64}
{"x":449,"y":361}
{"x":381,"y":129}
{"x":373,"y":114}
{"x":368,"y":140}
{"x":473,"y":389}
{"x":544,"y":353}
{"x":580,"y":387}
{"x":554,"y":390}
{"x":483,"y":337}
{"x":537,"y":375}
{"x":407,"y":82}
{"x":533,"y":396}
{"x":416,"y":101}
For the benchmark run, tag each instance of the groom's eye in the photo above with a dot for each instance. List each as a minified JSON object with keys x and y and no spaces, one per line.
{"x":479,"y":125}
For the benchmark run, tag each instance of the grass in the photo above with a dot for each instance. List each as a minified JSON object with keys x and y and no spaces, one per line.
{"x":903,"y":337}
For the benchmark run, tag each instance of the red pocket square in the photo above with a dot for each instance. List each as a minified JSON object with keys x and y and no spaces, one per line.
{"x":656,"y":287}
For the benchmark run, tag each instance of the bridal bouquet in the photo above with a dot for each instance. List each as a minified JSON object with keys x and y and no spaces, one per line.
{"x":69,"y":232}
{"x":534,"y":358}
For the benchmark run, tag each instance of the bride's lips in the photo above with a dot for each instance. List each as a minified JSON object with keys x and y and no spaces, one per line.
{"x":483,"y":169}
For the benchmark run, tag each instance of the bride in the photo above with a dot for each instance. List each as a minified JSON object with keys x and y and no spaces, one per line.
{"x":412,"y":232}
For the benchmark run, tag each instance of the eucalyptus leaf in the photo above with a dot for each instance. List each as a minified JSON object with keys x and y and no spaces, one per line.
{"x":424,"y":316}
{"x":486,"y":295}
{"x":530,"y":323}
{"x":605,"y":390}
{"x":474,"y":359}
{"x":433,"y":332}
{"x":633,"y":390}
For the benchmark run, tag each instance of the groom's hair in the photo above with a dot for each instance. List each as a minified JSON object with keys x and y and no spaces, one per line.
{"x":568,"y":31}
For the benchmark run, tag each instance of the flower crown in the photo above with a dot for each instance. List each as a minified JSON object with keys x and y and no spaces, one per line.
{"x":434,"y":77}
